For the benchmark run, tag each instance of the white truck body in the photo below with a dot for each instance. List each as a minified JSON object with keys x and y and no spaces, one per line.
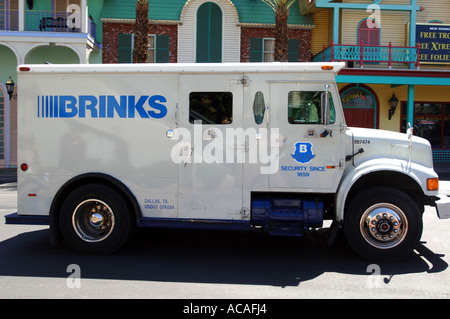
{"x":262,"y":140}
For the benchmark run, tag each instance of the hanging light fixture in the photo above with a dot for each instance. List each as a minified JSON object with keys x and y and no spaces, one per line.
{"x":10,"y":88}
{"x":393,"y":102}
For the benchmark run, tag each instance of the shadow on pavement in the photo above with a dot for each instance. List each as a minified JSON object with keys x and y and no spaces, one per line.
{"x":204,"y":257}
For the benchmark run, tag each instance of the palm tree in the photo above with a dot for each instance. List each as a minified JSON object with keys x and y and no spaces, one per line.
{"x":140,"y":51}
{"x":281,"y":9}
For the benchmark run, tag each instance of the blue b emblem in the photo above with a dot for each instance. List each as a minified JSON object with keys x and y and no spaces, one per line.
{"x":303,"y":152}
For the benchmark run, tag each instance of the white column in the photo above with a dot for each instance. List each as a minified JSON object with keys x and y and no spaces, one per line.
{"x":84,"y":17}
{"x":21,"y":15}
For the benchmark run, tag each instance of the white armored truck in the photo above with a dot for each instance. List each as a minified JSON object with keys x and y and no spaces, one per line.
{"x":249,"y":146}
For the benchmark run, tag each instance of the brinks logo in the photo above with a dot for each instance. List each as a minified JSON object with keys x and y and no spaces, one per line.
{"x":303,"y":152}
{"x":103,"y":106}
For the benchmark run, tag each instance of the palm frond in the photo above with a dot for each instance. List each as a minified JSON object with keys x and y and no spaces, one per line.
{"x":276,"y":4}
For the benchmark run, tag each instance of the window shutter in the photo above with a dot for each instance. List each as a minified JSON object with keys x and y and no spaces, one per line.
{"x":374,"y":36}
{"x":363,"y":37}
{"x":162,"y":49}
{"x":125,"y":48}
{"x":203,"y":33}
{"x":293,"y":50}
{"x":215,"y":24}
{"x":256,"y":50}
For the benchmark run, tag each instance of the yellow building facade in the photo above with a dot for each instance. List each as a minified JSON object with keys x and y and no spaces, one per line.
{"x":395,"y":50}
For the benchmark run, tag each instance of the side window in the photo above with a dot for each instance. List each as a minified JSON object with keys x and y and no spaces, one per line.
{"x":211,"y":107}
{"x":304,"y":107}
{"x":259,"y":107}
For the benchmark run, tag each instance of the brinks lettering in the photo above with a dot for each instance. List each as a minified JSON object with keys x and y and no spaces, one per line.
{"x":103,"y":106}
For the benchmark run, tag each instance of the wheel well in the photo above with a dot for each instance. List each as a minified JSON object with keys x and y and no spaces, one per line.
{"x":393,"y":179}
{"x":77,"y":181}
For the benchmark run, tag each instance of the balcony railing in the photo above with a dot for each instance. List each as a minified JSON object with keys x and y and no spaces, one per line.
{"x":369,"y":54}
{"x":48,"y":21}
{"x":42,"y":21}
{"x":9,"y":20}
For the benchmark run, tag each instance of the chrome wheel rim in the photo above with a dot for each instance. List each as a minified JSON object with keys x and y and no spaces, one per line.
{"x":93,"y":220}
{"x":384,"y":226}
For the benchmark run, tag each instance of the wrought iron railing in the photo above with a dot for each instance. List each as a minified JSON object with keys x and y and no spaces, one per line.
{"x":9,"y":20}
{"x":43,"y":21}
{"x":46,"y":21}
{"x":369,"y":54}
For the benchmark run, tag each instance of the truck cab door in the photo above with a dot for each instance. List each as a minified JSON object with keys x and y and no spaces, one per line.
{"x":311,"y":154}
{"x":210,"y":177}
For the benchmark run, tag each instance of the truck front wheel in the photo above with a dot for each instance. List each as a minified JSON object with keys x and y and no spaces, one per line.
{"x":95,"y":218}
{"x":383,"y":223}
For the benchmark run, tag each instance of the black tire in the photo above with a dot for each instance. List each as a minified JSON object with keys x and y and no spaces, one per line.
{"x":383,"y":223}
{"x":95,"y":218}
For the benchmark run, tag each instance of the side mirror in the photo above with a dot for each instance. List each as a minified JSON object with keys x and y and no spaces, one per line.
{"x":325,"y":102}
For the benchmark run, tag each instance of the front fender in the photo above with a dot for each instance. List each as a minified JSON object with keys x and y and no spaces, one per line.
{"x":418,"y":174}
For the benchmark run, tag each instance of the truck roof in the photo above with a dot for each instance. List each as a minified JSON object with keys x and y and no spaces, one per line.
{"x":274,"y":67}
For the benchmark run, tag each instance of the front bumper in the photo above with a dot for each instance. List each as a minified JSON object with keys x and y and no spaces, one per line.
{"x":442,"y":204}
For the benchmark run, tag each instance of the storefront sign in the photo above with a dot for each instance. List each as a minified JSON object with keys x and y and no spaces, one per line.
{"x":360,"y":106}
{"x":357,"y":97}
{"x":434,"y":42}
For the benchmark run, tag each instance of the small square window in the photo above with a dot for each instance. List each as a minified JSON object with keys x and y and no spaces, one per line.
{"x":304,"y":107}
{"x":211,"y":107}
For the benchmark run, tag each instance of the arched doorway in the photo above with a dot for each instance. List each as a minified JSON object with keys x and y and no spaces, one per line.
{"x":209,"y":33}
{"x":360,"y":105}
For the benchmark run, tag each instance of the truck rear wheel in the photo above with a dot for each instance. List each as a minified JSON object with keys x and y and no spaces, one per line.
{"x":383,"y":223}
{"x":95,"y":218}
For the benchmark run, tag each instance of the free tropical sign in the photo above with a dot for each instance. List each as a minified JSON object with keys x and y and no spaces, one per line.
{"x":434,"y":42}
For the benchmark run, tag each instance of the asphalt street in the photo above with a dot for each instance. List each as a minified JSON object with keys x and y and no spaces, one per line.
{"x":182,"y":264}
